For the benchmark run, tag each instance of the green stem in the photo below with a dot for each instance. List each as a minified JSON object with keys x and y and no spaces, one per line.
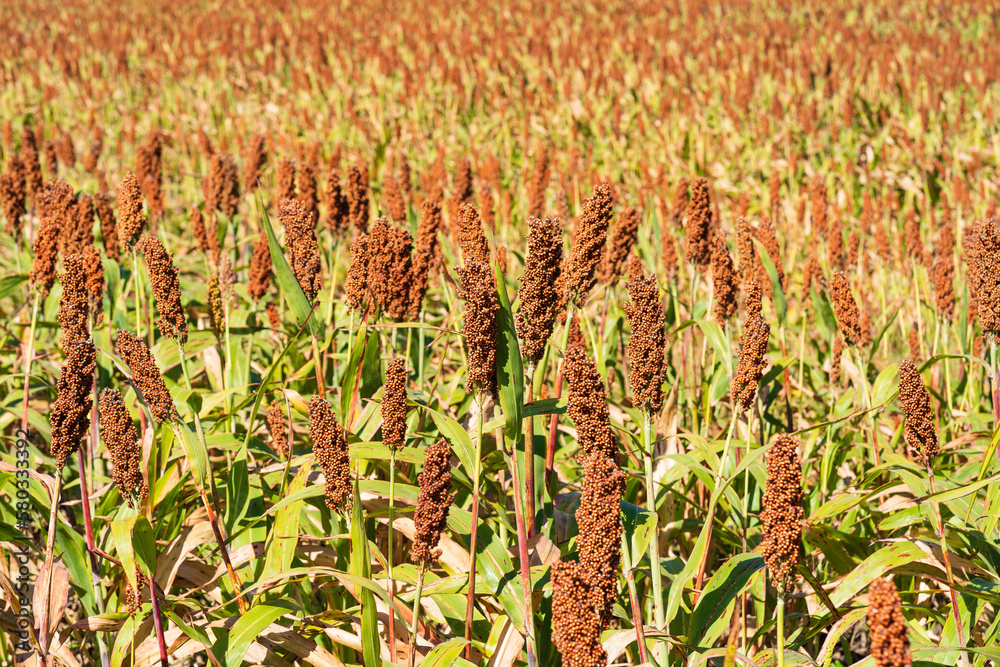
{"x":416,"y":611}
{"x":138,"y":295}
{"x":654,"y":544}
{"x":471,"y":598}
{"x":28,"y":359}
{"x":781,"y":626}
{"x":389,"y":549}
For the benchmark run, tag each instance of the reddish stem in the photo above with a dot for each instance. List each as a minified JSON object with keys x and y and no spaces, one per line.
{"x":529,"y":466}
{"x":158,"y":623}
{"x":550,"y":450}
{"x":640,"y":634}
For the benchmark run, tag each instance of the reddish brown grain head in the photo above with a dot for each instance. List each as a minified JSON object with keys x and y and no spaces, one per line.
{"x":357,"y":197}
{"x":920,"y":433}
{"x":300,"y":239}
{"x":131,"y":219}
{"x":284,"y":181}
{"x":725,"y":282}
{"x":120,"y":437}
{"x":74,"y":304}
{"x":782,"y":509}
{"x":576,"y":623}
{"x":647,"y":342}
{"x":330,"y":449}
{"x":623,"y":237}
{"x":433,"y":503}
{"x":146,"y":377}
{"x":45,"y":251}
{"x":890,"y":643}
{"x":166,"y":288}
{"x":587,"y":249}
{"x":587,"y":405}
{"x":260,"y":268}
{"x":699,"y":225}
{"x":480,"y":324}
{"x":599,"y":519}
{"x":540,"y":300}
{"x":753,"y":360}
{"x":253,"y":163}
{"x":846,"y":309}
{"x":426,"y":254}
{"x":70,"y":415}
{"x":394,"y":404}
{"x":277,"y":427}
{"x":109,"y":226}
{"x":471,"y":236}
{"x":944,"y":274}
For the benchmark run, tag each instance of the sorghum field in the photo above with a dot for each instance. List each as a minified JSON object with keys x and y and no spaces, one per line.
{"x":585,"y":333}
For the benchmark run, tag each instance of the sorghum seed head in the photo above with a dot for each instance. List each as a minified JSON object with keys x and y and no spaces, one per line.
{"x":782,"y":514}
{"x":166,"y":288}
{"x":426,"y":254}
{"x":278,"y":428}
{"x":699,"y":225}
{"x":540,"y":299}
{"x":480,"y":325}
{"x":919,"y":432}
{"x":890,"y":643}
{"x":46,"y":250}
{"x":146,"y":377}
{"x":433,"y":503}
{"x":109,"y":226}
{"x":357,"y":197}
{"x":300,"y":238}
{"x":70,"y":416}
{"x":753,"y":360}
{"x":394,"y":404}
{"x":330,"y":449}
{"x":74,"y":304}
{"x":131,"y":219}
{"x":120,"y":437}
{"x":587,"y":405}
{"x":647,"y":343}
{"x":588,"y":245}
{"x":260,"y":268}
{"x":622,"y":239}
{"x":846,"y":309}
{"x":576,"y":624}
{"x":599,"y":519}
{"x":471,"y":236}
{"x":725,"y":282}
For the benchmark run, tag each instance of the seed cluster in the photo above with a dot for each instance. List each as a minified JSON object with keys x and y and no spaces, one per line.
{"x":109,"y":226}
{"x":920,"y":433}
{"x":222,"y":187}
{"x":46,"y":250}
{"x":131,"y":219}
{"x":357,"y":197}
{"x":647,"y":344}
{"x":146,"y":377}
{"x":426,"y":254}
{"x":622,"y":239}
{"x":284,"y":182}
{"x":725,"y":282}
{"x":587,"y":249}
{"x":120,"y":437}
{"x":470,"y":235}
{"x":260,"y":268}
{"x":890,"y":642}
{"x":330,"y":449}
{"x":983,"y":256}
{"x":394,"y":404}
{"x":12,"y":199}
{"x":70,"y":416}
{"x":539,"y":293}
{"x":394,"y":201}
{"x":699,"y":225}
{"x":835,"y":355}
{"x":433,"y":503}
{"x":944,"y":274}
{"x":166,"y":288}
{"x":782,"y":508}
{"x":679,"y":201}
{"x":300,"y":239}
{"x":278,"y":428}
{"x":254,"y":161}
{"x":587,"y":405}
{"x":480,"y":324}
{"x":599,"y":519}
{"x":576,"y":624}
{"x":540,"y":176}
{"x":768,"y":237}
{"x":338,"y":210}
{"x":753,"y":360}
{"x":74,"y":304}
{"x":846,"y":309}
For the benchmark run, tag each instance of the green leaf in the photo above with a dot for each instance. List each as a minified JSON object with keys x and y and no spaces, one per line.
{"x":444,"y":655}
{"x":144,"y":546}
{"x":301,"y":308}
{"x":121,"y":533}
{"x":717,"y":338}
{"x":457,"y":436}
{"x":777,"y":293}
{"x":880,"y":562}
{"x":361,"y":567}
{"x":639,"y":525}
{"x":284,"y":535}
{"x":712,"y":614}
{"x":237,"y":491}
{"x":351,"y":375}
{"x":232,"y":648}
{"x":196,"y":452}
{"x":10,"y":283}
{"x":510,"y":371}
{"x":885,"y":384}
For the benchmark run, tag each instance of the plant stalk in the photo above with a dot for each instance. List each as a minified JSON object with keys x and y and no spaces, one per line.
{"x":416,"y":612}
{"x":654,"y":544}
{"x":471,"y":598}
